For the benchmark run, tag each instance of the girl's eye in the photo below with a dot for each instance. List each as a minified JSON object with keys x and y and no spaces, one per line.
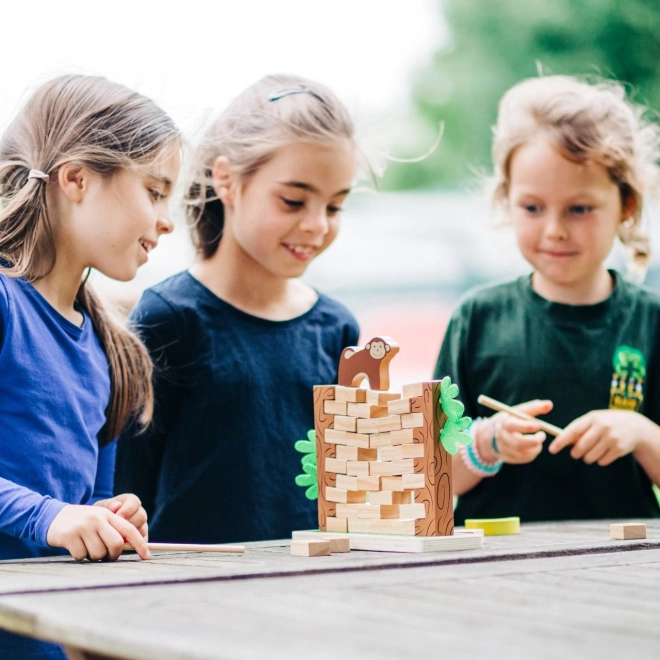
{"x":156,"y":194}
{"x":580,"y":209}
{"x":334,"y":210}
{"x":293,"y":203}
{"x":532,"y":209}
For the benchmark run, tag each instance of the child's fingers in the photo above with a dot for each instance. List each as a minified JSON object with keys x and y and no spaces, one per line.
{"x":585,"y":443}
{"x":570,"y":435}
{"x":610,"y":456}
{"x":514,"y":425}
{"x":113,"y":542}
{"x":77,"y":548}
{"x":535,"y":407}
{"x":96,"y":548}
{"x":132,"y":536}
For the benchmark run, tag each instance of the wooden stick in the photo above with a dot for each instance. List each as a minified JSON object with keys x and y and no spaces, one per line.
{"x":189,"y":547}
{"x":501,"y":407}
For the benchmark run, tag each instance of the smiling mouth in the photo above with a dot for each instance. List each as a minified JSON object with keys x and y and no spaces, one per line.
{"x":147,"y":246}
{"x":302,"y":252}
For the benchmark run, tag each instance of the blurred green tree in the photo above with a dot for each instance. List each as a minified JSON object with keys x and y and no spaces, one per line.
{"x":495,"y":43}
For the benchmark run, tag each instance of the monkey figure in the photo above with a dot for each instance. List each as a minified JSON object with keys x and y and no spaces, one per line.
{"x":372,"y":362}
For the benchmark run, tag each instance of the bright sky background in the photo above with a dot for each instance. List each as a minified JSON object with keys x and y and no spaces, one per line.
{"x":195,"y":55}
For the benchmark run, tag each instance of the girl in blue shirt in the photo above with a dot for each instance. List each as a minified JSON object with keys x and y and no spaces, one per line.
{"x":85,"y":173}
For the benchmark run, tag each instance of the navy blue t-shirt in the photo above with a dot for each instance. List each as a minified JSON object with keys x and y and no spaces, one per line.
{"x":233,"y":394}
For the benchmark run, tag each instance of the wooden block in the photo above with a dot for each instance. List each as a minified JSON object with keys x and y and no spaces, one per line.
{"x":406,"y":527}
{"x":389,"y":423}
{"x":408,"y":391}
{"x":495,"y":526}
{"x":405,"y":482}
{"x":378,"y":398}
{"x":368,"y":425}
{"x":627,"y":531}
{"x":412,"y":420}
{"x":391,"y":468}
{"x":339,"y":543}
{"x":365,"y":410}
{"x":379,"y":512}
{"x":345,"y":423}
{"x":350,"y":394}
{"x":337,"y":524}
{"x":304,"y":548}
{"x":399,"y":452}
{"x":356,"y":440}
{"x":402,"y":437}
{"x":415,"y":511}
{"x":368,"y":483}
{"x":390,"y":497}
{"x":347,"y":482}
{"x":413,"y":481}
{"x":335,"y":465}
{"x":345,"y":496}
{"x":332,"y":436}
{"x":357,"y":468}
{"x":331,"y":407}
{"x":398,"y":407}
{"x":356,"y":453}
{"x":348,"y":510}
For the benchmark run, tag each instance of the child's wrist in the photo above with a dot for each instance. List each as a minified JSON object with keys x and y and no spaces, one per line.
{"x":476,"y":462}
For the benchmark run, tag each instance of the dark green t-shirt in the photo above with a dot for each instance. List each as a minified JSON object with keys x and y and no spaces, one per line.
{"x":511,"y":344}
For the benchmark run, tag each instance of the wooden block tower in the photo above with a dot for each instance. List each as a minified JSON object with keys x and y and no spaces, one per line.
{"x":381,"y":467}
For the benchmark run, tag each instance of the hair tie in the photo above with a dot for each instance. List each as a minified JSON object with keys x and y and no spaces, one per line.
{"x":38,"y":174}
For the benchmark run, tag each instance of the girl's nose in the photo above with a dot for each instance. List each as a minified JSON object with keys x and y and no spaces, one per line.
{"x":316,"y":221}
{"x":555,"y":227}
{"x":164,"y":225}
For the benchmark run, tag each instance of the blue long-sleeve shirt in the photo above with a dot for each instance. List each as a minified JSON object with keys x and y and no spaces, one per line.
{"x":54,"y":390}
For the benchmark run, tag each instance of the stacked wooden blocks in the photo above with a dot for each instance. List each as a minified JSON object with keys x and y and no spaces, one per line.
{"x":380,"y":464}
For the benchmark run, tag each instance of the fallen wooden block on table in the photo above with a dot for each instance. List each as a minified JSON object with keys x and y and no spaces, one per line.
{"x":627,"y":531}
{"x":310,"y":548}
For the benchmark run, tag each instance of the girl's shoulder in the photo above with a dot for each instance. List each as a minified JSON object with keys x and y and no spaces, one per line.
{"x":489,"y":297}
{"x":333,"y":310}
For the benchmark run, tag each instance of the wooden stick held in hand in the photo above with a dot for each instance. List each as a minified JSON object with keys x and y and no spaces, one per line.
{"x":190,"y":547}
{"x":501,"y":407}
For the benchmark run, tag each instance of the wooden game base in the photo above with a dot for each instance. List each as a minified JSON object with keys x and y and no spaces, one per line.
{"x":468,"y":539}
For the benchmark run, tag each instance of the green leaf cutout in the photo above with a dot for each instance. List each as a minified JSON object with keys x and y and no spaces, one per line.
{"x":454,"y":431}
{"x":309,"y":480}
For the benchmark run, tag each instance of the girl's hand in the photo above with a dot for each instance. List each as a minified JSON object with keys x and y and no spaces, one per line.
{"x":602,"y":436}
{"x":129,"y":507}
{"x":517,"y":441}
{"x":94,"y":532}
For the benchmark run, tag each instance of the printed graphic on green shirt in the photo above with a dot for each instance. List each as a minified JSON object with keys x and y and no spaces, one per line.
{"x":627,"y":390}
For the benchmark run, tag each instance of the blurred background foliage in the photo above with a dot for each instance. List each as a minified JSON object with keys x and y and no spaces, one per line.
{"x":495,"y":43}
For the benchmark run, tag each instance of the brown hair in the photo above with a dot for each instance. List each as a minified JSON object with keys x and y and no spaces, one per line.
{"x":104,"y":127}
{"x":248,"y":133}
{"x":586,"y":122}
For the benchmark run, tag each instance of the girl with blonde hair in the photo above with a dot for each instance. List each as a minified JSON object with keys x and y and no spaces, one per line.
{"x":239,"y":340}
{"x":574,"y":165}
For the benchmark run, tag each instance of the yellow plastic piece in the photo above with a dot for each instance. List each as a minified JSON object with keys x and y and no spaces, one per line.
{"x":495,"y":526}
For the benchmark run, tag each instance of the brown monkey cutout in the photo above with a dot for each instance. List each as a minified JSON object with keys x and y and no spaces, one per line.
{"x":372,"y":362}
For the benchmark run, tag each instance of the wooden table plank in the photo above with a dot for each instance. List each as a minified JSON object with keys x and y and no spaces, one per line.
{"x":583,"y":606}
{"x":273,"y":558}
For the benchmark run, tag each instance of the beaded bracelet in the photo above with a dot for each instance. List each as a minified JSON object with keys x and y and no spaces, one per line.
{"x":473,"y":460}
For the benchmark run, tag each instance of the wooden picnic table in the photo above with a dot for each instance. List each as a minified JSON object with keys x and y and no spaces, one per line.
{"x":556,"y":590}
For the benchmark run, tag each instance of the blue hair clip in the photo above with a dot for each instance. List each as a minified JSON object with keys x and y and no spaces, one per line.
{"x":275,"y":96}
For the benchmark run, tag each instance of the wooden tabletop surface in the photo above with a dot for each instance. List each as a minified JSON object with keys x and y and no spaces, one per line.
{"x":561,"y":589}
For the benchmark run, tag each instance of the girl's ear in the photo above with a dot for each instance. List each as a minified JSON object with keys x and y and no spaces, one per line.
{"x":629,"y":209}
{"x":72,"y":180}
{"x":224,"y":179}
